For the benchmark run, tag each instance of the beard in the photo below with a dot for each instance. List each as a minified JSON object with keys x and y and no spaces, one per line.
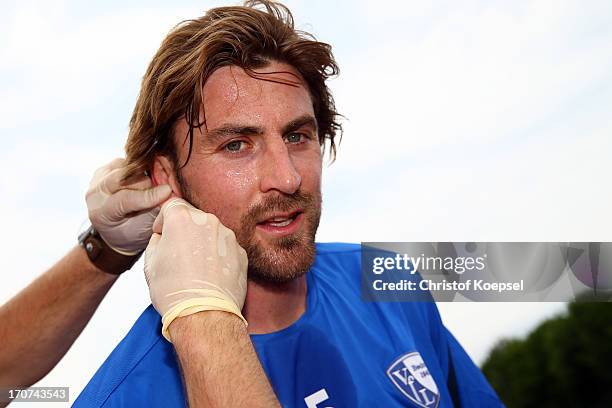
{"x":282,"y":259}
{"x":286,"y":258}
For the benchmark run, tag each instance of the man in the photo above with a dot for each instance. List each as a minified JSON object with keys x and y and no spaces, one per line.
{"x":233,"y":114}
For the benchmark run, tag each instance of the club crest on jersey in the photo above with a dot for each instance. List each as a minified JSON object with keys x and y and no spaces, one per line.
{"x":411,"y":376}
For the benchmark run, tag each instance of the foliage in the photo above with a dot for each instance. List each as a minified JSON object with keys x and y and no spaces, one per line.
{"x":565,"y":362}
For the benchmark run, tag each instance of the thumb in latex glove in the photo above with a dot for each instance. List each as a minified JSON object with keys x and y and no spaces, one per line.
{"x":123,"y":214}
{"x":193,"y":263}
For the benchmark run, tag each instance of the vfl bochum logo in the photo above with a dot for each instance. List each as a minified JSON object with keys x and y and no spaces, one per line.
{"x":413,"y":379}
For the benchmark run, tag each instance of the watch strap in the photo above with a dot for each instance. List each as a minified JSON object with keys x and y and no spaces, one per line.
{"x":103,"y":256}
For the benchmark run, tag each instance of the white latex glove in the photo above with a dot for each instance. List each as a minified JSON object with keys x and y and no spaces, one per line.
{"x":123,"y":214}
{"x":196,"y":264}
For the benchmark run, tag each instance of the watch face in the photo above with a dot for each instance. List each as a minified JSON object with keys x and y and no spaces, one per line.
{"x":84,"y":230}
{"x":84,"y":226}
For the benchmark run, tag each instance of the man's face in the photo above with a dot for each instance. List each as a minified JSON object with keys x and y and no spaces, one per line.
{"x":256,"y":165}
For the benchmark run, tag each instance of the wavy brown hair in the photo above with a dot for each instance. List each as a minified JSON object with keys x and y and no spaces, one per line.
{"x":248,"y":36}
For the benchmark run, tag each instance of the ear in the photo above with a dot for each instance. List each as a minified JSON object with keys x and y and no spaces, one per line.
{"x":162,"y":172}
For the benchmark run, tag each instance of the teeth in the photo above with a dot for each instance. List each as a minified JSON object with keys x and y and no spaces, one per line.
{"x":279,"y":219}
{"x":280,"y":224}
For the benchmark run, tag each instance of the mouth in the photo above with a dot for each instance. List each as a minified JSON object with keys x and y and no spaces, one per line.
{"x":281,"y":223}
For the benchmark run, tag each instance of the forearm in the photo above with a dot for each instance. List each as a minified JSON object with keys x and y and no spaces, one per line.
{"x":218,"y":362}
{"x":41,"y":322}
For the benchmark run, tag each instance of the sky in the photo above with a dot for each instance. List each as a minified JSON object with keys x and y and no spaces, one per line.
{"x":464,"y":121}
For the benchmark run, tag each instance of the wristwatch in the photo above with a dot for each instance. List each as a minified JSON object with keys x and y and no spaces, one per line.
{"x":103,"y":256}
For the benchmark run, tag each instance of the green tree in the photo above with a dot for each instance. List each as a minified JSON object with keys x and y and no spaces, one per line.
{"x":564,"y":362}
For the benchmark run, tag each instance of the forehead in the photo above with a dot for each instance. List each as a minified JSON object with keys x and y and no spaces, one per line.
{"x":278,"y":94}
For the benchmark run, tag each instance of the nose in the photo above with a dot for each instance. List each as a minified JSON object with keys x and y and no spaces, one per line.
{"x":279,"y":172}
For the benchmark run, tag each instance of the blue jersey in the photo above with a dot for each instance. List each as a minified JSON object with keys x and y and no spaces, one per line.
{"x":342,"y":352}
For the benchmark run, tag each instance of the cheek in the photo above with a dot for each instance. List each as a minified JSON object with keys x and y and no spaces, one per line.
{"x":223,"y":190}
{"x":310,"y":169}
{"x":242,"y":179}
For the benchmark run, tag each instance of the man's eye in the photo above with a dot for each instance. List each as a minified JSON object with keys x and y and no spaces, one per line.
{"x":234,"y":146}
{"x":294,"y":137}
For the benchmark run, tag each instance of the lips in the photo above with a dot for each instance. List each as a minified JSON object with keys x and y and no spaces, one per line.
{"x":280,"y":219}
{"x":281,"y":224}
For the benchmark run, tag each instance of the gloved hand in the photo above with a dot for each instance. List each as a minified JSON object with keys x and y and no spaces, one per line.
{"x":123,"y":214}
{"x":196,"y":264}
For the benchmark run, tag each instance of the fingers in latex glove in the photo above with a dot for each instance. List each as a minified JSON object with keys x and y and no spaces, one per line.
{"x":123,"y":214}
{"x":193,"y":263}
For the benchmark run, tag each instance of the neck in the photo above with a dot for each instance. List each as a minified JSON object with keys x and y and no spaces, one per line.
{"x":273,"y":307}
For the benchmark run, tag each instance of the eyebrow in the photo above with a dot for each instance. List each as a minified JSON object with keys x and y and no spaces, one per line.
{"x":304,"y":120}
{"x":229,"y":130}
{"x":232,"y":130}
